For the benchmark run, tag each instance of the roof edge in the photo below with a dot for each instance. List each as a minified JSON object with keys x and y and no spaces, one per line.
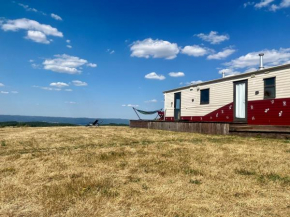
{"x":274,"y":68}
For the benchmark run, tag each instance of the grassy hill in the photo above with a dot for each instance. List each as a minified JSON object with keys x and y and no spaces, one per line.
{"x":118,"y":171}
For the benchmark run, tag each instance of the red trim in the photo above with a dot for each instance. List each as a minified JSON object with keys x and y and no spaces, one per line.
{"x":269,"y":112}
{"x":223,"y":114}
{"x":260,"y":112}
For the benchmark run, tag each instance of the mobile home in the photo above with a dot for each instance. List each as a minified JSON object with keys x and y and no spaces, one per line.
{"x":257,"y":98}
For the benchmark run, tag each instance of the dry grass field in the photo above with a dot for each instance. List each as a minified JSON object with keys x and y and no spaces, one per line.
{"x":118,"y":171}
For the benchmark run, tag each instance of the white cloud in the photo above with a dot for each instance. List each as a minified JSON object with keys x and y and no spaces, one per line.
{"x":248,"y":4}
{"x":110,"y":51}
{"x":213,"y":37}
{"x":151,"y":101}
{"x":59,"y":84}
{"x":69,"y":46}
{"x":79,"y":83}
{"x":31,"y":61}
{"x":68,"y":90}
{"x":196,"y":82}
{"x":56,"y":17}
{"x":285,"y":4}
{"x":271,"y":58}
{"x":124,"y":105}
{"x":263,"y":3}
{"x":26,"y":24}
{"x":47,"y":88}
{"x":2,"y":85}
{"x":222,"y":54}
{"x":190,"y":83}
{"x":35,"y":66}
{"x":229,"y":72}
{"x":68,"y":41}
{"x":37,"y":36}
{"x":196,"y":50}
{"x":268,"y":4}
{"x":64,"y":64}
{"x":92,"y":65}
{"x":27,"y":8}
{"x":4,"y":92}
{"x":154,"y":48}
{"x":130,"y":105}
{"x":14,"y":92}
{"x":176,"y":74}
{"x":153,"y":75}
{"x":71,"y":102}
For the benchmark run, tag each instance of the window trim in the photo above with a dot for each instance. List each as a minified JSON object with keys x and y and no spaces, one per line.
{"x":205,"y":103}
{"x":265,"y":86}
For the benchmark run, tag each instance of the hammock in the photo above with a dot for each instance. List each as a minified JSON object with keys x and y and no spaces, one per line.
{"x":160,"y":113}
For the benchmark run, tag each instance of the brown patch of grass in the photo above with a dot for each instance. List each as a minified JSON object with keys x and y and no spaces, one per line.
{"x":118,"y":171}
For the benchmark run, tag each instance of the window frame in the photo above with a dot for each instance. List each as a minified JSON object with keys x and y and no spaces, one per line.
{"x":267,"y":86}
{"x":205,"y":103}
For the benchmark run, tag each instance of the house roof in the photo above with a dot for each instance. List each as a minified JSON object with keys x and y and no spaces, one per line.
{"x":233,"y":77}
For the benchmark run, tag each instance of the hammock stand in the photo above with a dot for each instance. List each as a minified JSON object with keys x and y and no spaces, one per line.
{"x":160,"y":113}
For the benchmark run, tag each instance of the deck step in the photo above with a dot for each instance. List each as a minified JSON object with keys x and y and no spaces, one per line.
{"x":259,"y":128}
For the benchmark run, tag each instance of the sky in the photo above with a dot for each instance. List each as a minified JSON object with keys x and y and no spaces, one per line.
{"x":99,"y":58}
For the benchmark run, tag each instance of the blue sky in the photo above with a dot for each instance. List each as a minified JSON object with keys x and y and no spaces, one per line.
{"x":98,"y":58}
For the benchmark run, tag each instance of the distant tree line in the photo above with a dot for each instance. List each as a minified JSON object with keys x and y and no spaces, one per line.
{"x":45,"y":124}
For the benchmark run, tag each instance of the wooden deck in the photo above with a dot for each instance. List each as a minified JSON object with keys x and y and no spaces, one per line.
{"x":216,"y":128}
{"x":268,"y":131}
{"x":192,"y":127}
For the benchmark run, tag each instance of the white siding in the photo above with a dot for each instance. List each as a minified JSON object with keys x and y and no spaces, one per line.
{"x":221,"y":93}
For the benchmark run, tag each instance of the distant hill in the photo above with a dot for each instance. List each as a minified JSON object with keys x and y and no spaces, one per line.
{"x":62,"y":120}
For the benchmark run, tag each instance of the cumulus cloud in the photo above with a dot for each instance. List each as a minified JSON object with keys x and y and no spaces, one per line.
{"x":250,"y":61}
{"x":69,"y":46}
{"x":154,"y":48}
{"x":151,"y":101}
{"x":68,"y":41}
{"x":268,"y":4}
{"x":26,"y":24}
{"x":14,"y":92}
{"x":79,"y":83}
{"x":35,"y":31}
{"x":92,"y":65}
{"x":153,"y":75}
{"x":2,"y":85}
{"x":68,"y":90}
{"x":176,"y":74}
{"x":37,"y":36}
{"x":196,"y":50}
{"x":213,"y":37}
{"x":59,"y":84}
{"x":263,"y":3}
{"x":222,"y":54}
{"x":271,"y":58}
{"x":4,"y":92}
{"x":64,"y":64}
{"x":56,"y":17}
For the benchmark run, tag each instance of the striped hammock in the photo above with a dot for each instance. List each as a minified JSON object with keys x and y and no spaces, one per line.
{"x":147,"y":112}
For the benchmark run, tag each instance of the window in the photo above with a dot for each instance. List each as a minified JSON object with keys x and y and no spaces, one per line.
{"x":269,"y":88}
{"x":204,"y":96}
